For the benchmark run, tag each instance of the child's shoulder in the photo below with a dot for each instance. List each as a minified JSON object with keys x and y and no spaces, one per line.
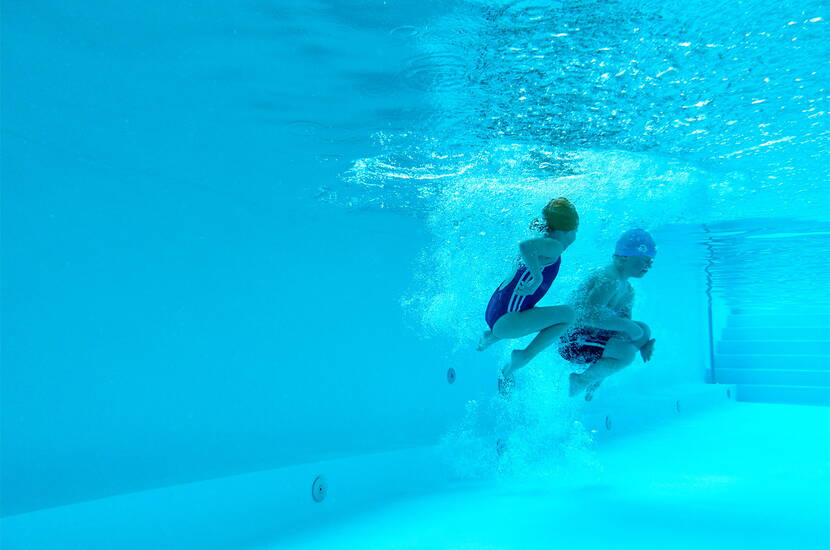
{"x":597,"y":278}
{"x":603,"y":275}
{"x":608,"y":280}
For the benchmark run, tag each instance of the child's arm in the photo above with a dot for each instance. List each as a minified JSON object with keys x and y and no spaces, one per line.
{"x":598,"y":314}
{"x":535,"y":253}
{"x":626,"y":306}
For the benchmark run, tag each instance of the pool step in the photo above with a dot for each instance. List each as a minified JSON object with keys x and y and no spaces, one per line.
{"x":778,"y":320}
{"x":775,"y":357}
{"x":774,"y":347}
{"x":795,"y":395}
{"x":774,"y":362}
{"x":778,"y":333}
{"x":774,"y":377}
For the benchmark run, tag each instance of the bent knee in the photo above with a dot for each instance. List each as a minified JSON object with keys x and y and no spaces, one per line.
{"x":625,"y":354}
{"x":568,"y":314}
{"x":646,"y":330}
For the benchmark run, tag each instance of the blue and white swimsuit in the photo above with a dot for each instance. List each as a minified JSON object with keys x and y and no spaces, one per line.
{"x":505,"y":299}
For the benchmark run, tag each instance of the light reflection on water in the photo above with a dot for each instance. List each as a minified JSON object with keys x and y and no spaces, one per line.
{"x":739,"y":91}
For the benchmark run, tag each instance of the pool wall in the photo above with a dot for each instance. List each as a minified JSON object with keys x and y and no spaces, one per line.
{"x":156,"y":336}
{"x":244,"y":510}
{"x":180,"y":306}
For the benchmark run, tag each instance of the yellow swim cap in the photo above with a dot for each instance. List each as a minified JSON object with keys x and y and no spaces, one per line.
{"x":561,"y":214}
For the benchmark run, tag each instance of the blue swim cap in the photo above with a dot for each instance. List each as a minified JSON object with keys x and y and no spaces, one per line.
{"x":636,"y":242}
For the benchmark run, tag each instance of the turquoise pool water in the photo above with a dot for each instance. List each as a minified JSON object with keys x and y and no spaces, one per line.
{"x":255,"y":240}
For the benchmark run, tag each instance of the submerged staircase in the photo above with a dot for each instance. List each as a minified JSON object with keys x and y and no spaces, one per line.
{"x":775,"y":358}
{"x":769,"y":309}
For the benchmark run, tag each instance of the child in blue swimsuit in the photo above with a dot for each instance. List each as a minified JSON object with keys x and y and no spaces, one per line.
{"x":511,"y":312}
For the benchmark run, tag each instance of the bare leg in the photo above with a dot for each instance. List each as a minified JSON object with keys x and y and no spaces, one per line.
{"x":549,"y":322}
{"x":644,"y":338}
{"x":487,"y":340}
{"x":521,"y":323}
{"x":521,"y":357}
{"x":618,"y":354}
{"x":590,"y":380}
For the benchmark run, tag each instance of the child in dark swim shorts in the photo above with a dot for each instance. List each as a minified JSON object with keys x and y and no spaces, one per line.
{"x":604,"y":337}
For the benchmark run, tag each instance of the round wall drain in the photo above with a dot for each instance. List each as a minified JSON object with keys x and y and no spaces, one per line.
{"x":677,"y":405}
{"x":319,"y":489}
{"x":607,"y":422}
{"x":451,"y":375}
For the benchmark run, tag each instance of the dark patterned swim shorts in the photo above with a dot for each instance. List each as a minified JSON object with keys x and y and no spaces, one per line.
{"x":584,"y":345}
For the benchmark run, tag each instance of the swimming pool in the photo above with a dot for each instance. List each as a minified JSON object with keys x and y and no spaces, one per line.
{"x":247,"y":250}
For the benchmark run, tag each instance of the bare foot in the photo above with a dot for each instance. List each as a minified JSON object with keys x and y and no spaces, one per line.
{"x":507,"y":381}
{"x":487,"y":339}
{"x":589,"y":391}
{"x":575,"y":384}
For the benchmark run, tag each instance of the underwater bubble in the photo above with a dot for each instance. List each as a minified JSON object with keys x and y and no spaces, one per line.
{"x":404,"y":31}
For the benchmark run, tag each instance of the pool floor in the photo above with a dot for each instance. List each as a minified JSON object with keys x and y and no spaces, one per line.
{"x":742,"y":476}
